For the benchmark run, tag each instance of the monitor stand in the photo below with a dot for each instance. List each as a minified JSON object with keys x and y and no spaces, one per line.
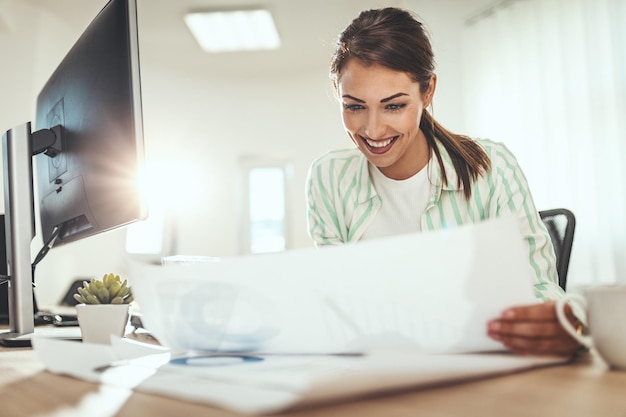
{"x":19,"y":228}
{"x":18,"y":147}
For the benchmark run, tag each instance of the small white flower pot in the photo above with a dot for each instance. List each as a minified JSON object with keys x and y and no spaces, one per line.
{"x":99,"y":321}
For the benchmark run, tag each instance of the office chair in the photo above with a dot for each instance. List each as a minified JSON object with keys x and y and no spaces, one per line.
{"x":560,"y":224}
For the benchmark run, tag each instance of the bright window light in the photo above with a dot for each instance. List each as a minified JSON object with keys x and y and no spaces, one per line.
{"x":239,"y":30}
{"x":266,"y":209}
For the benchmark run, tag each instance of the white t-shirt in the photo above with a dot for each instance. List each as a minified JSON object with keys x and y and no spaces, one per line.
{"x":403,"y":202}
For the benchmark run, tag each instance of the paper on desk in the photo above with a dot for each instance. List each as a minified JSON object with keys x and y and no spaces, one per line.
{"x":273,"y":383}
{"x":255,"y":384}
{"x":83,"y":360}
{"x":430,"y":291}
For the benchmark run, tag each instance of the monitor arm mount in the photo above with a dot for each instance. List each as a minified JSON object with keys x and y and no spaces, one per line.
{"x":47,"y":141}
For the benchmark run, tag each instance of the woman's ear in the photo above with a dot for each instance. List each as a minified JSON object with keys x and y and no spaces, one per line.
{"x":430,"y":91}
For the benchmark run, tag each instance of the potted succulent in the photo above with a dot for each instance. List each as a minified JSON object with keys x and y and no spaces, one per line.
{"x":103,"y":309}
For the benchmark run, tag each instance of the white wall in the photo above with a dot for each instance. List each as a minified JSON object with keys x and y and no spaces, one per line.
{"x":207,"y":123}
{"x":18,"y":64}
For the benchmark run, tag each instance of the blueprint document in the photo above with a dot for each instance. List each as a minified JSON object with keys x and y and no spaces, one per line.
{"x":429,"y":292}
{"x":264,"y":334}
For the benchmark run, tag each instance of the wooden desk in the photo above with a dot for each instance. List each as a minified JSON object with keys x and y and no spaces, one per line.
{"x":584,"y":388}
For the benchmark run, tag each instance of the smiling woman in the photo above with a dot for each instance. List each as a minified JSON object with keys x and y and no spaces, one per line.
{"x":409,"y":174}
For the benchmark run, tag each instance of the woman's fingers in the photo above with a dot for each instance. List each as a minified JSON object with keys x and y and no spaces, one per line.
{"x":533,"y":329}
{"x":527,"y":329}
{"x":534,"y":312}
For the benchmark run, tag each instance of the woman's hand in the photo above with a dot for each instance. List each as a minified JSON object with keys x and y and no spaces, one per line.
{"x":534,"y":329}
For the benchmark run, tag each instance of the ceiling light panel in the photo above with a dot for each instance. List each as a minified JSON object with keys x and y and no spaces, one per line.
{"x":239,"y":30}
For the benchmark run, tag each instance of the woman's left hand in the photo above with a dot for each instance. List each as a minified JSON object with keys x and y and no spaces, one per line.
{"x":534,"y":329}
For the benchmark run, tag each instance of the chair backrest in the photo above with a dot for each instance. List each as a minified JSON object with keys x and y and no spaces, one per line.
{"x":561,"y":224}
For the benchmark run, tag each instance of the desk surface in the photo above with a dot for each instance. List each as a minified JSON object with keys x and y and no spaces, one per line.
{"x":583,"y":388}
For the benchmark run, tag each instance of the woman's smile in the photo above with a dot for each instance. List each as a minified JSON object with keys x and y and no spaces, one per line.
{"x":379,"y":146}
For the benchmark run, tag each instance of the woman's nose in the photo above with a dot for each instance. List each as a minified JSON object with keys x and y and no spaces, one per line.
{"x":375,"y":127}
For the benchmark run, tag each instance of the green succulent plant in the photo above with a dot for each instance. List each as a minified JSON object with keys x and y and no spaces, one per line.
{"x":108,"y":290}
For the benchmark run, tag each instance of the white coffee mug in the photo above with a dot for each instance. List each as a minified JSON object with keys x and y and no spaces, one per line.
{"x":605,"y":307}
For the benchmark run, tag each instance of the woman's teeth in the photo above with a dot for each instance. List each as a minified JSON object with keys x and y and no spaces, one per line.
{"x":378,"y":143}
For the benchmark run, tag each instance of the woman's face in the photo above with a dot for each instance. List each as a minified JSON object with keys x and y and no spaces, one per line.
{"x":381,"y":111}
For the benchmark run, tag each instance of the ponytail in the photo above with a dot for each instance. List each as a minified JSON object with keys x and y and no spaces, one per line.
{"x":468,"y":158}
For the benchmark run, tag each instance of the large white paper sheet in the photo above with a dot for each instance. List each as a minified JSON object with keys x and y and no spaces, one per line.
{"x":427,"y":292}
{"x":255,"y":384}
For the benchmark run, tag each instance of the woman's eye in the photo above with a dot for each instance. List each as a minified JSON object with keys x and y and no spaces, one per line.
{"x":396,"y":106}
{"x":353,"y":107}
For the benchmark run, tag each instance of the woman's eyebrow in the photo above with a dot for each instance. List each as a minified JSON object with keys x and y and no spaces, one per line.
{"x":392,"y":97}
{"x":353,"y":98}
{"x":384,"y":100}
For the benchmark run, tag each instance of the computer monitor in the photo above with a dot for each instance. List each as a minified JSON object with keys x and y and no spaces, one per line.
{"x":89,"y":146}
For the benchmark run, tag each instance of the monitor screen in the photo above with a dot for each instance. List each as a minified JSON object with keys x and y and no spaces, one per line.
{"x":89,"y":146}
{"x":90,"y":183}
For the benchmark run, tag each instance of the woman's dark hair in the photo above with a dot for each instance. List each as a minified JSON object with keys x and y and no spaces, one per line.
{"x":395,"y":39}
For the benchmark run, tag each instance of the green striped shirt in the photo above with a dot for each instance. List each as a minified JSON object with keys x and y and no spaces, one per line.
{"x":342,"y":202}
